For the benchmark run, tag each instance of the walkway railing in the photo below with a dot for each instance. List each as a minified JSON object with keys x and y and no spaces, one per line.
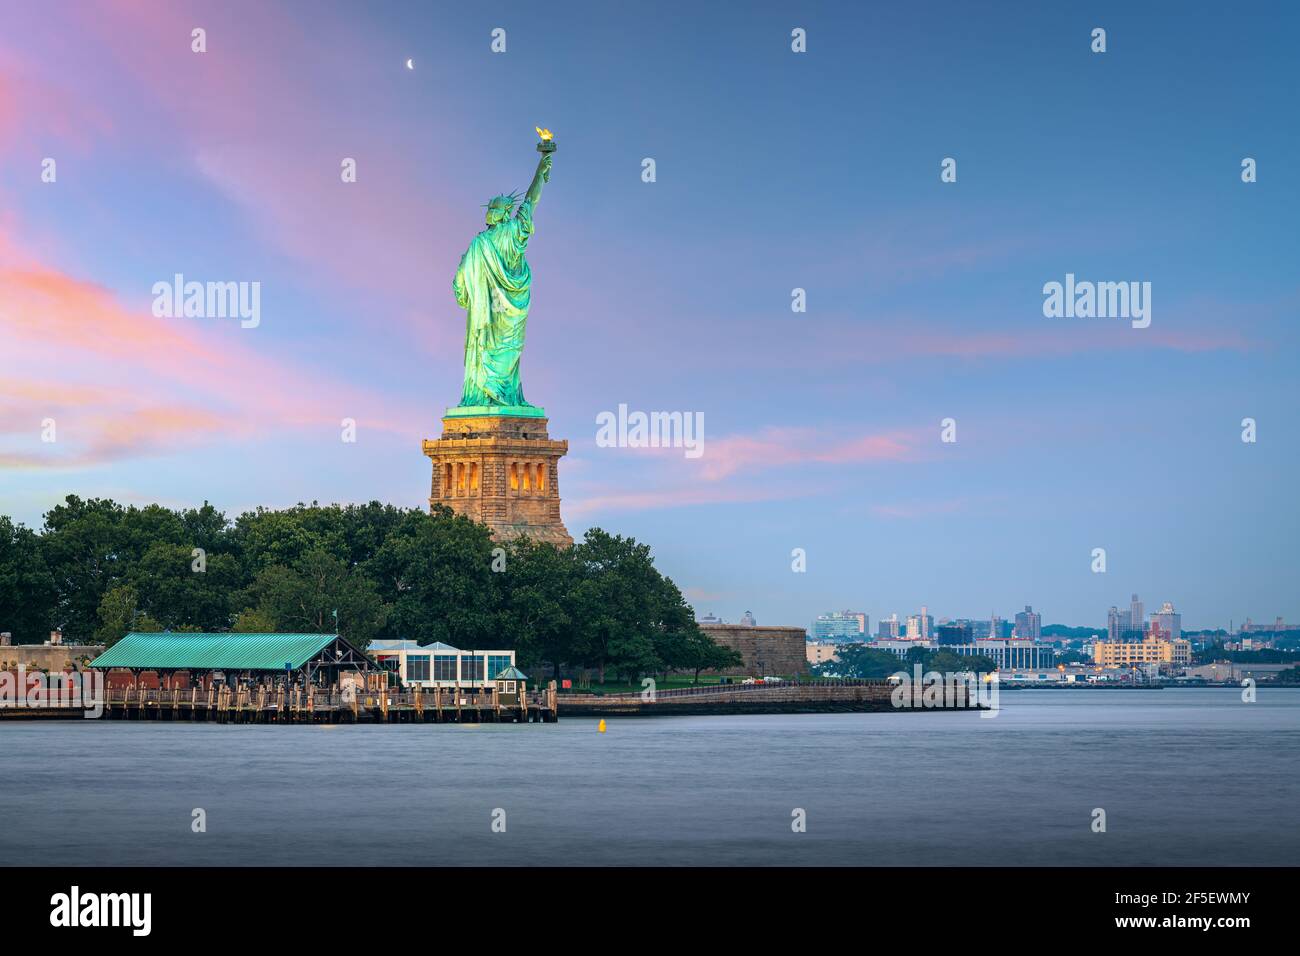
{"x":715,"y":690}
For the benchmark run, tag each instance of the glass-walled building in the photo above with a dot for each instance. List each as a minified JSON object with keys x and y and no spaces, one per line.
{"x":838,"y":626}
{"x":439,"y":664}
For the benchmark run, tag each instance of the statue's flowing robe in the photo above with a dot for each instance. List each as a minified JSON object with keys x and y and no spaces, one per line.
{"x":492,"y":284}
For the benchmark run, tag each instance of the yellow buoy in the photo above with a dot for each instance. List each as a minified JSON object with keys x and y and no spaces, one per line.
{"x":601,"y":728}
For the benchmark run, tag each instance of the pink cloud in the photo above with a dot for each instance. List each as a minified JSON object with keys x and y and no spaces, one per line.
{"x":743,"y":469}
{"x":44,"y":109}
{"x":174,"y":382}
{"x":783,"y":447}
{"x":98,"y":434}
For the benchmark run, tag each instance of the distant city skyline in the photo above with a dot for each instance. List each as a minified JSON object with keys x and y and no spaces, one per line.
{"x":1170,"y":618}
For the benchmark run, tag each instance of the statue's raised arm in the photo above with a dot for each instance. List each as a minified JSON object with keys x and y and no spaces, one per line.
{"x":543,"y":175}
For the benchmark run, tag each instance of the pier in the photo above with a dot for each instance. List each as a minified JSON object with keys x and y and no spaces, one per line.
{"x":262,"y":705}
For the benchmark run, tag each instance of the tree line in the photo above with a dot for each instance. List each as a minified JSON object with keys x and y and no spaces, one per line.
{"x":97,"y":570}
{"x":860,"y":661}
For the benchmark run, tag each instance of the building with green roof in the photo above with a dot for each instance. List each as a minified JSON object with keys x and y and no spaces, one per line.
{"x":315,"y":657}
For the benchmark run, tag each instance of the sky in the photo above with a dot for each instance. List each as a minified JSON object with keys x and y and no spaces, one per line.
{"x":774,"y":171}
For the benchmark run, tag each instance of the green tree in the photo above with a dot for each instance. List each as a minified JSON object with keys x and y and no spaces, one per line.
{"x":83,"y":545}
{"x":862,"y":662}
{"x":304,"y":599}
{"x":1288,"y":677}
{"x":265,"y":538}
{"x":946,"y":662}
{"x":354,"y":534}
{"x":1073,"y":657}
{"x":27,"y":592}
{"x":702,"y":653}
{"x":175,"y":593}
{"x":253,"y":621}
{"x":624,"y":611}
{"x":535,"y":585}
{"x":435,"y":573}
{"x":119,"y":615}
{"x":206,"y":528}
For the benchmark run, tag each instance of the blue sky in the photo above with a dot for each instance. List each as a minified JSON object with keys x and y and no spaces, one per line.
{"x":775,"y":170}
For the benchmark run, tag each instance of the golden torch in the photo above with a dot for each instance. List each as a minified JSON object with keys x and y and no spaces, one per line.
{"x":547,"y":145}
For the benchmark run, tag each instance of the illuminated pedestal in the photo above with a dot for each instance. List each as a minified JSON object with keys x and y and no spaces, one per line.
{"x":502,"y":470}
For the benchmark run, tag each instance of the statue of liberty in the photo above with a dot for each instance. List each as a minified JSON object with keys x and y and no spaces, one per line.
{"x":492,"y":284}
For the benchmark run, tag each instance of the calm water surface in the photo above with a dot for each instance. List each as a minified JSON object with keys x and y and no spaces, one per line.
{"x":1185,"y":776}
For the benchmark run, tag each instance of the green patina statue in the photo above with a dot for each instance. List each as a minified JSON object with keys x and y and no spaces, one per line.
{"x":492,"y":285}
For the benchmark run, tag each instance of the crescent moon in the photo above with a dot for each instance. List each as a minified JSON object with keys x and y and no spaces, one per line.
{"x":409,"y":64}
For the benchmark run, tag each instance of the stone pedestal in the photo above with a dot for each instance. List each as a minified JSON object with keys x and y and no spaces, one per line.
{"x":502,"y":470}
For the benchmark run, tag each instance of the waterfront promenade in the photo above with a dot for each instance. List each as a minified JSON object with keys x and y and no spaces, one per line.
{"x":786,"y":697}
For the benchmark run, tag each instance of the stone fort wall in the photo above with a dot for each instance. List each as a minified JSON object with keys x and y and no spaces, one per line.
{"x":58,"y":657}
{"x":767,"y":651}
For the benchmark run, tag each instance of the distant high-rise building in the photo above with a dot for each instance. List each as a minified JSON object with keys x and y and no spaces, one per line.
{"x":709,"y":619}
{"x":999,"y":629}
{"x":920,"y":627}
{"x":1121,"y":625}
{"x":1117,"y":623}
{"x":889,"y":629}
{"x":954,"y":634}
{"x":1029,"y":624}
{"x":1167,"y":622}
{"x":840,"y":626}
{"x":747,"y":619}
{"x":1136,"y":619}
{"x":978,"y":629}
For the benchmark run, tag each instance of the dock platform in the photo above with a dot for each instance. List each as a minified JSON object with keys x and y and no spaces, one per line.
{"x":254,"y":705}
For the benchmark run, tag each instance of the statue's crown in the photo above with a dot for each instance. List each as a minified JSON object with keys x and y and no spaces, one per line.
{"x":504,"y":202}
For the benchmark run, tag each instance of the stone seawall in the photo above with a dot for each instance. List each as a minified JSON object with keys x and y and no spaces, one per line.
{"x":820,"y":698}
